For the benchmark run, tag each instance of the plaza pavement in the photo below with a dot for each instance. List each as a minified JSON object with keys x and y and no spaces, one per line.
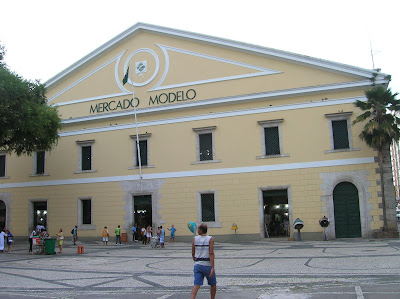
{"x":263,"y":269}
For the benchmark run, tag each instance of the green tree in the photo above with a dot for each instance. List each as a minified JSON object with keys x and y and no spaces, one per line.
{"x":27,"y":123}
{"x":380,"y":112}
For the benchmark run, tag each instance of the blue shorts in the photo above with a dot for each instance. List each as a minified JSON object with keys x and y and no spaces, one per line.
{"x":203,"y":271}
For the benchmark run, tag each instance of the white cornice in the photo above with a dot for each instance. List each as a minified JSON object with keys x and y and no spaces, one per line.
{"x":194,"y":173}
{"x":218,"y":101}
{"x":296,"y":106}
{"x":139,"y":27}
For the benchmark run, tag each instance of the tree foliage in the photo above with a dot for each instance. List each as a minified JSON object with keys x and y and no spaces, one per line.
{"x":381,"y":112}
{"x":27,"y":123}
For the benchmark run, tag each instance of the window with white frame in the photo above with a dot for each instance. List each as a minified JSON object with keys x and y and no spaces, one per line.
{"x":85,"y":214}
{"x":271,"y":132}
{"x":2,"y":165}
{"x":86,"y":211}
{"x":85,"y":155}
{"x":143,"y":150}
{"x":39,"y":163}
{"x":207,"y":208}
{"x":205,"y":145}
{"x":340,"y":132}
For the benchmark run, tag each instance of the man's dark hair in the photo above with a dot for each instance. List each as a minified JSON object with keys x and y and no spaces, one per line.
{"x":203,"y":228}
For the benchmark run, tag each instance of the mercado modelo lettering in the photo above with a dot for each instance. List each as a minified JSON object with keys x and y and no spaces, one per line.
{"x":171,"y":97}
{"x":163,"y":98}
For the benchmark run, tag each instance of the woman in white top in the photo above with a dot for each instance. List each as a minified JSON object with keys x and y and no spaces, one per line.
{"x":2,"y":236}
{"x":148,"y":234}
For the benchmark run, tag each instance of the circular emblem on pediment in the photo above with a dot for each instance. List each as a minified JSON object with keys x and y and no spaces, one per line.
{"x":141,"y":67}
{"x":144,"y":65}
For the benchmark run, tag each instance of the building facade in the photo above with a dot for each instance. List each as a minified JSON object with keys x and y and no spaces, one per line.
{"x":229,"y":133}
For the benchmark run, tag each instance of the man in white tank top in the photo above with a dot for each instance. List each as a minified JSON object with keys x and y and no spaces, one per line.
{"x":203,"y":256}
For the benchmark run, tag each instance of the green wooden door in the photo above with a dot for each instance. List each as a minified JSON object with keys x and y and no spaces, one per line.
{"x":347,"y":211}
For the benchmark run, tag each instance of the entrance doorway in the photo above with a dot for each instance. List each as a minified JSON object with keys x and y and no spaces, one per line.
{"x":276,"y":213}
{"x":142,"y":210}
{"x":347,"y":211}
{"x":3,"y":213}
{"x":40,"y":214}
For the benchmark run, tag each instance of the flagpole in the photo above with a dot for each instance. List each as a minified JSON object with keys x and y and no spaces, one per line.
{"x":137,"y":132}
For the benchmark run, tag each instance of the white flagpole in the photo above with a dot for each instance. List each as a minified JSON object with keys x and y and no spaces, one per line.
{"x":137,"y":132}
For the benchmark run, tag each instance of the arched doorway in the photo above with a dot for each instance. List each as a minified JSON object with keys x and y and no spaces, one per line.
{"x":347,"y":211}
{"x":2,"y":214}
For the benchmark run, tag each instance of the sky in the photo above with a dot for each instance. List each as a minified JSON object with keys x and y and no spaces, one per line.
{"x":44,"y":37}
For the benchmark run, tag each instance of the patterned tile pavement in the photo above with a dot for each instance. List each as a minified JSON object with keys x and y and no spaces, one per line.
{"x":264,"y":269}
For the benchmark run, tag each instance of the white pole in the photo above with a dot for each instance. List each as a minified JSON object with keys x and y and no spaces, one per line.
{"x":137,"y":132}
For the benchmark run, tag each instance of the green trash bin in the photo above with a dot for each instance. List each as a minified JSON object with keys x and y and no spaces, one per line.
{"x":49,"y":245}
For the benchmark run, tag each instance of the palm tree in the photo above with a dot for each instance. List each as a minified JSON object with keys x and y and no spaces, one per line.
{"x":380,"y":112}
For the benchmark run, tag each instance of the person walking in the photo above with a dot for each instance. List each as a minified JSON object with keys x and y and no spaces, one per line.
{"x":10,"y":240}
{"x":33,"y":233}
{"x":118,"y":235}
{"x":143,"y":234}
{"x":43,"y":236}
{"x":75,"y":234}
{"x":105,"y":235}
{"x":60,"y":239}
{"x":148,"y":234}
{"x":203,"y":257}
{"x":134,"y":232}
{"x":3,"y":235}
{"x":172,"y":235}
{"x":162,"y":236}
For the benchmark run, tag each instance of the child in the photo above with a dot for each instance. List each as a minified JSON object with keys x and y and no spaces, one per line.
{"x":33,"y":233}
{"x":9,"y":240}
{"x":105,"y":235}
{"x":74,"y":233}
{"x":143,"y":234}
{"x":172,"y":235}
{"x":60,"y":238}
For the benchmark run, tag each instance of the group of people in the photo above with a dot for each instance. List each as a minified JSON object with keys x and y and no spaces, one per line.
{"x":41,"y":233}
{"x":277,"y":227}
{"x":106,"y":234}
{"x":6,"y":237}
{"x":146,"y":233}
{"x":143,"y":234}
{"x":202,"y":248}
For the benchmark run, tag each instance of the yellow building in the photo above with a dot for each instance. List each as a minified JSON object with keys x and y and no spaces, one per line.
{"x":229,"y":133}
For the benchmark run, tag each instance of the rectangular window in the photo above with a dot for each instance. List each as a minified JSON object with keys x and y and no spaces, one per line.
{"x":40,"y":159}
{"x":86,"y":157}
{"x":2,"y":165}
{"x":144,"y":140}
{"x":340,"y":134}
{"x":207,"y":207}
{"x":143,"y":153}
{"x":206,"y":145}
{"x":86,"y":211}
{"x":271,"y":136}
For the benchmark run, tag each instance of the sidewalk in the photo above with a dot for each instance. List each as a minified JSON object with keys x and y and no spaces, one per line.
{"x":263,"y":269}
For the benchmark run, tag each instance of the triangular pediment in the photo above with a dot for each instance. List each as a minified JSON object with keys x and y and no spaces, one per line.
{"x":164,"y":63}
{"x":203,"y":69}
